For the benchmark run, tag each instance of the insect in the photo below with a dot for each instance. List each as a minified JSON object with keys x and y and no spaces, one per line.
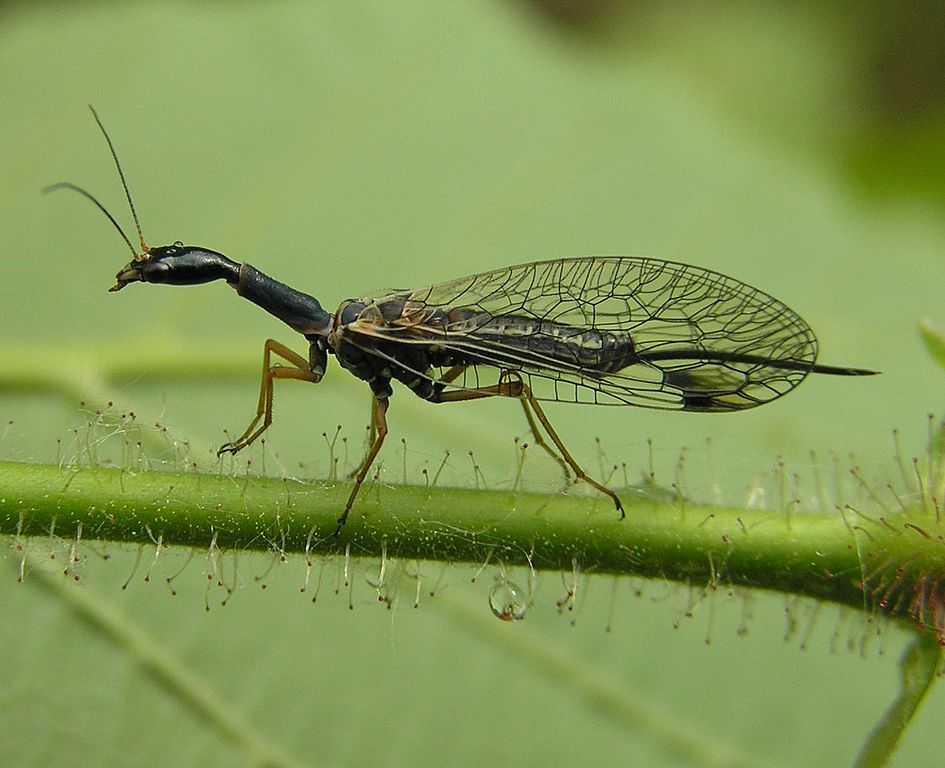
{"x":598,"y":330}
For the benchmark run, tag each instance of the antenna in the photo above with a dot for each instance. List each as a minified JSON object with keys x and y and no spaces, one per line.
{"x":88,"y":195}
{"x":124,"y":184}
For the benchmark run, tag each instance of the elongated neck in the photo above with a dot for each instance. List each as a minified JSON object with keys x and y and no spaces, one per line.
{"x":298,"y":310}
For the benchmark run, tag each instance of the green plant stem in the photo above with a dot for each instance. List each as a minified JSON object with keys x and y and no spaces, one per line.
{"x":847,"y":558}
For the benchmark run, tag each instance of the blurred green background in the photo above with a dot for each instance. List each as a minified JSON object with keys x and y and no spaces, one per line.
{"x":342,"y":147}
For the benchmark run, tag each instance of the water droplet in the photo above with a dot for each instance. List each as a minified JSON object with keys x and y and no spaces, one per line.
{"x":508,"y":601}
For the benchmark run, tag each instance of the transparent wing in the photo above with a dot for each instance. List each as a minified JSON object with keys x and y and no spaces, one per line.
{"x":605,"y":330}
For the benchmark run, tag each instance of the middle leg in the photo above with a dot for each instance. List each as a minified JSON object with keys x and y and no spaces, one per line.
{"x":379,"y":430}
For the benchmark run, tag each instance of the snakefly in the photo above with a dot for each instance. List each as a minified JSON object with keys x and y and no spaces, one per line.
{"x":597,"y":330}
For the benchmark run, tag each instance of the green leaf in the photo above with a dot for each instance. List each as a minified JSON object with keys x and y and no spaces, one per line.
{"x":934,"y":340}
{"x":919,"y":666}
